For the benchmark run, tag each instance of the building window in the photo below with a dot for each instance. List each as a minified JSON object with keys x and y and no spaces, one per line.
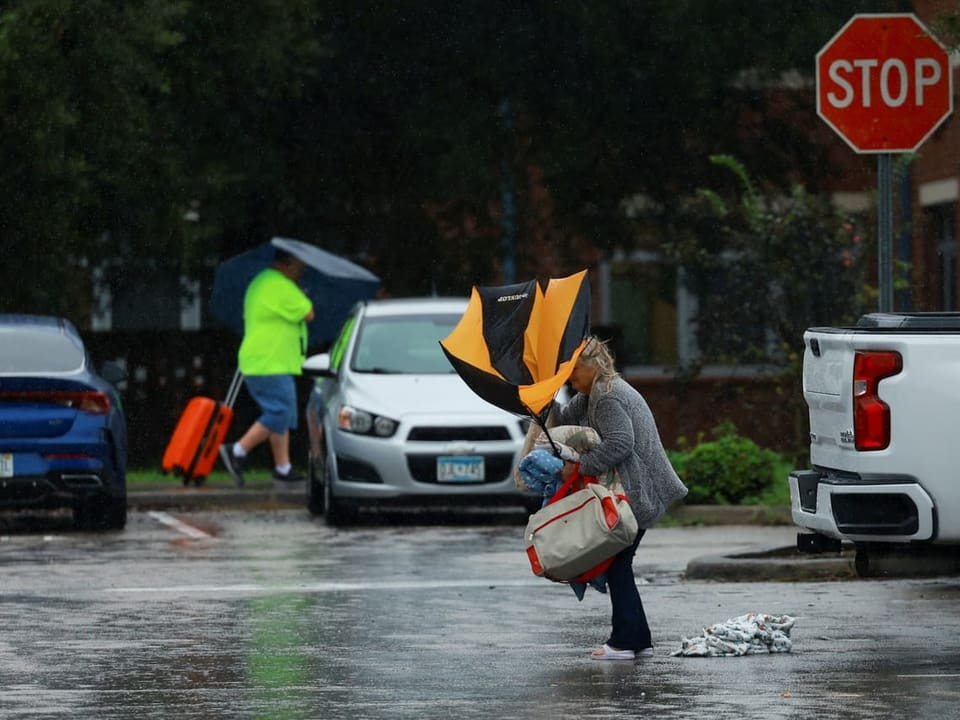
{"x":145,"y":296}
{"x":639,"y":295}
{"x":660,"y":318}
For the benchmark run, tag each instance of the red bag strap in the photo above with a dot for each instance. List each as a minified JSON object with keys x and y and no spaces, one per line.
{"x":571,"y":484}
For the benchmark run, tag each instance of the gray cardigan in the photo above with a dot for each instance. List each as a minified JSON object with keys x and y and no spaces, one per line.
{"x":629,"y":443}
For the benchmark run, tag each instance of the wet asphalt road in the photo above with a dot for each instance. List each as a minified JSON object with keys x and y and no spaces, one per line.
{"x":274,"y":615}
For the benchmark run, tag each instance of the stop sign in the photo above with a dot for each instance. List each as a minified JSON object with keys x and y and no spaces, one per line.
{"x":884,"y":83}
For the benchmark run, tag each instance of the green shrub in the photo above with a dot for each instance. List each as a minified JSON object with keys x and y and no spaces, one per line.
{"x":726,"y":471}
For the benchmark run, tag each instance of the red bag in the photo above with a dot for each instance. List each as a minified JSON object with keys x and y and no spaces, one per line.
{"x":573,"y":484}
{"x":581,"y":481}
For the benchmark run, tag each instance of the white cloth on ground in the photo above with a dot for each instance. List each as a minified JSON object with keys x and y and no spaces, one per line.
{"x":750,"y":634}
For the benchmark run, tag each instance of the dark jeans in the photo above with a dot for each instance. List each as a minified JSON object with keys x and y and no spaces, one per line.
{"x":630,"y":629}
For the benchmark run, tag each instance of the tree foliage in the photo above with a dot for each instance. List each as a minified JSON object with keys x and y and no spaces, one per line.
{"x":768,"y":266}
{"x":75,"y":113}
{"x":391,"y":132}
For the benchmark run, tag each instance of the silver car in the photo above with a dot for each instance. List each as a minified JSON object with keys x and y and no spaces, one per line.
{"x":398,"y":424}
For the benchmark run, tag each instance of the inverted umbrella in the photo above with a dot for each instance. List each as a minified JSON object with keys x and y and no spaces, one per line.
{"x":332,"y":283}
{"x":516,"y":345}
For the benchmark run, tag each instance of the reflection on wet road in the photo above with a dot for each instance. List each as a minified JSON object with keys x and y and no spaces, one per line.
{"x":274,"y":615}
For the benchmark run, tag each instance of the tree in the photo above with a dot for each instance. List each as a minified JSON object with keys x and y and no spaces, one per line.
{"x":606,"y":102}
{"x":75,"y":118}
{"x":119,"y":118}
{"x":766,"y":267}
{"x":392,"y":132}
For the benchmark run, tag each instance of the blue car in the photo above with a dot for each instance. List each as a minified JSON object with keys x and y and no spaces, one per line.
{"x":63,"y":434}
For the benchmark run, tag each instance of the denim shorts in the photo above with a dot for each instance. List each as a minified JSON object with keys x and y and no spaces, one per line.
{"x":277,"y":397}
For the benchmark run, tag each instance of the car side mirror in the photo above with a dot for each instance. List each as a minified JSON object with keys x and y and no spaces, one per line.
{"x":113,"y":373}
{"x":318,"y":366}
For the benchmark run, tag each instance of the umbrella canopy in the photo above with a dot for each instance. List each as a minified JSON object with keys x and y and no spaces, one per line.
{"x":516,"y":345}
{"x":332,"y":283}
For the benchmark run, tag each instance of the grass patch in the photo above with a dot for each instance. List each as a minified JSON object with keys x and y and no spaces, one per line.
{"x":144,"y":480}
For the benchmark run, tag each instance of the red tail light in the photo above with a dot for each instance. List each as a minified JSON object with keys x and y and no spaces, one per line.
{"x":89,"y":401}
{"x":871,"y":415}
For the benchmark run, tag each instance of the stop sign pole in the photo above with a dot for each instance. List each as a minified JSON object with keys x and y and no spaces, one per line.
{"x":884,"y":84}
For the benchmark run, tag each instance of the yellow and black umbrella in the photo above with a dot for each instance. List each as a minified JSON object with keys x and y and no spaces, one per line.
{"x":516,"y":345}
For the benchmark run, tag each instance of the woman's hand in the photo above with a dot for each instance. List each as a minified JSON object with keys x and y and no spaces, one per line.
{"x":518,"y":481}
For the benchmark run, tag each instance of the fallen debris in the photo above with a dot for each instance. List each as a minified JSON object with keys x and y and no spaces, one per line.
{"x":750,"y":634}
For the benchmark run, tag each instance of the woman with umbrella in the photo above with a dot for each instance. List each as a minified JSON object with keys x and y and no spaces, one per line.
{"x":515,"y":347}
{"x":629,"y":444}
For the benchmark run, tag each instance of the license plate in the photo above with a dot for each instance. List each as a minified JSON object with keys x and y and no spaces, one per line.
{"x":459,"y":469}
{"x":6,"y":464}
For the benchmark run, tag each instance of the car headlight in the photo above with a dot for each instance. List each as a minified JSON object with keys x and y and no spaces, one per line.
{"x":360,"y":422}
{"x":384,"y":427}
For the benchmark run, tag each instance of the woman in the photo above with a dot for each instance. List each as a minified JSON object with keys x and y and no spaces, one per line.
{"x":631,"y":445}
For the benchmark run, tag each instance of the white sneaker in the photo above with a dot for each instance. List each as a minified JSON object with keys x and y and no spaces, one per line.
{"x":605,"y":652}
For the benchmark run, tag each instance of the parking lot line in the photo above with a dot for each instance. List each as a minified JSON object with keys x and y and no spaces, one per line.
{"x":178,"y":525}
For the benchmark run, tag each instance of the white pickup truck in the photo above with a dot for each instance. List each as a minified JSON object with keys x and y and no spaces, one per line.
{"x":884,"y":405}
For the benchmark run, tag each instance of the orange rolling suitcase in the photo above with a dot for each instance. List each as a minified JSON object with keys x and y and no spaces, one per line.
{"x":201,"y":429}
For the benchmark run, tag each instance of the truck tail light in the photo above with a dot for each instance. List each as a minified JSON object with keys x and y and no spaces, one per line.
{"x":871,"y":415}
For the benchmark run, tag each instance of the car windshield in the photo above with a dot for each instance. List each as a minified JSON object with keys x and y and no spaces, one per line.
{"x":405,"y":344}
{"x":29,"y":351}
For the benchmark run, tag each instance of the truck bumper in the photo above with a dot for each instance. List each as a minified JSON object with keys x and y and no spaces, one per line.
{"x":878,"y":509}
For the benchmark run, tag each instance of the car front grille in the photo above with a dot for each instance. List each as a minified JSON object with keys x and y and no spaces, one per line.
{"x":479,"y":433}
{"x":496,"y":467}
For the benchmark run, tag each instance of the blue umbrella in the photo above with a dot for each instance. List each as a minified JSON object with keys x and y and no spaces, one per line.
{"x":332,"y":283}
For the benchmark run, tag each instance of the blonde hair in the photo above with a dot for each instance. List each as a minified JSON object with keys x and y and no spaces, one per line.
{"x":596,"y":354}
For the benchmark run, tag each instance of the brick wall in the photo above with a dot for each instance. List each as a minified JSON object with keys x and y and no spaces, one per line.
{"x":764,"y":409}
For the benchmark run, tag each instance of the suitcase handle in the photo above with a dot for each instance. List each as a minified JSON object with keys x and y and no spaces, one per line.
{"x":234,"y":390}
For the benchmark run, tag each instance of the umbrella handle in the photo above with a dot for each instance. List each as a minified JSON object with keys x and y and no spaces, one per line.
{"x":543,"y":426}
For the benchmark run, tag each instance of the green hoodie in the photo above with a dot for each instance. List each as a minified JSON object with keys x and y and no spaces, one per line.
{"x":275,"y":331}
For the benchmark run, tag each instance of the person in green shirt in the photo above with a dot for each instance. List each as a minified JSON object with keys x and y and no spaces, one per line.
{"x":275,"y":317}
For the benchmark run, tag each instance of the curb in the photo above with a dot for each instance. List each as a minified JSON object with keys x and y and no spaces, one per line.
{"x":783,"y":564}
{"x":207,"y":498}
